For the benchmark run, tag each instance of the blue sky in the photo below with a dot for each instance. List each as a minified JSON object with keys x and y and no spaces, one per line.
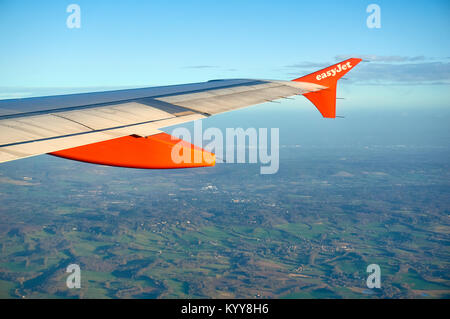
{"x":149,"y":43}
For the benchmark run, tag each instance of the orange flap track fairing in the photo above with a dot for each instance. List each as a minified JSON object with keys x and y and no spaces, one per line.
{"x":155,"y":151}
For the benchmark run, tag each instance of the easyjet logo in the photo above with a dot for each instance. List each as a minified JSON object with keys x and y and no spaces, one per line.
{"x":340,"y":67}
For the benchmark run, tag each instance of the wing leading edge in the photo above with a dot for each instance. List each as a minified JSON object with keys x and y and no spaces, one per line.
{"x":97,"y":123}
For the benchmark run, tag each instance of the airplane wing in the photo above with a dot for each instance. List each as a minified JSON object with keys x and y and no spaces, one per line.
{"x":123,"y":127}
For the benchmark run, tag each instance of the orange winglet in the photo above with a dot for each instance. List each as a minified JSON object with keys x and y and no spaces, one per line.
{"x":156,"y":151}
{"x":325,"y":100}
